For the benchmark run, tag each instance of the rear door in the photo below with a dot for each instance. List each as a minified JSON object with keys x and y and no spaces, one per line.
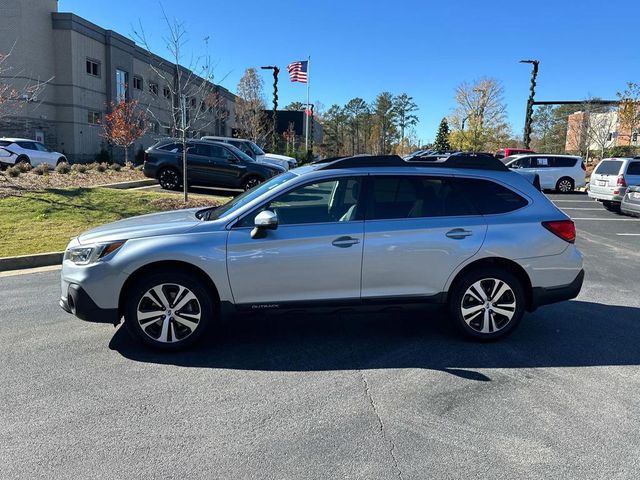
{"x":418,"y":229}
{"x":632,"y":175}
{"x":543,"y":167}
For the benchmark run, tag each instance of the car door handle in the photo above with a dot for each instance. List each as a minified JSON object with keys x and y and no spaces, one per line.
{"x":458,"y":233}
{"x":344,"y":242}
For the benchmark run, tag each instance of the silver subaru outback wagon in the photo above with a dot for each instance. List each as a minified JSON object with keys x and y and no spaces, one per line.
{"x":461,"y":231}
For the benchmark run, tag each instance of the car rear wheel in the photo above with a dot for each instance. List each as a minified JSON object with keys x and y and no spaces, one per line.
{"x":611,"y":206}
{"x":169,"y":179}
{"x":61,"y":160}
{"x":487,"y":303}
{"x":251,"y":182}
{"x":169,"y":311}
{"x":565,"y":185}
{"x":23,"y":159}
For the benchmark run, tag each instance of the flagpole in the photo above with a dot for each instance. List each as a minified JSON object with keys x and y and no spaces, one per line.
{"x":306,"y":112}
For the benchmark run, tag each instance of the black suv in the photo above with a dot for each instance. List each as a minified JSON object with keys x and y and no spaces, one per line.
{"x":209,"y":163}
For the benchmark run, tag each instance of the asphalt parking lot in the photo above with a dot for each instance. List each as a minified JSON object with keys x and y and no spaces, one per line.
{"x":395,"y":394}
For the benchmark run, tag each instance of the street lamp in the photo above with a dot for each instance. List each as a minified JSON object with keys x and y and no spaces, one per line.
{"x":274,"y":139}
{"x":529,"y":114}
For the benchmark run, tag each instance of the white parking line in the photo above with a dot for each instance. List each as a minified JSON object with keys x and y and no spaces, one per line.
{"x":573,"y":201}
{"x":582,"y":208}
{"x":629,"y":234}
{"x":606,"y":219}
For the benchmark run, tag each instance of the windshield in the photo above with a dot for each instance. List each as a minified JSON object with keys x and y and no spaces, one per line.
{"x":244,"y":198}
{"x":239,"y":153}
{"x":256,"y":149}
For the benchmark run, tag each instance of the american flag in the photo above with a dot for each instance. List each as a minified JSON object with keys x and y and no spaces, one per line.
{"x":298,"y":71}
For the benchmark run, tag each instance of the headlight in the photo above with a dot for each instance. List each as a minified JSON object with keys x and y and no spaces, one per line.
{"x":85,"y":255}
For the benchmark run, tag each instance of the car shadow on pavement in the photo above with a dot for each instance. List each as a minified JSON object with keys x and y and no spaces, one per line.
{"x":571,"y":334}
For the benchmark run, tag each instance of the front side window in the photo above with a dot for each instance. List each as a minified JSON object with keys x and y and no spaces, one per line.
{"x":322,"y":202}
{"x":411,"y":196}
{"x":41,"y":147}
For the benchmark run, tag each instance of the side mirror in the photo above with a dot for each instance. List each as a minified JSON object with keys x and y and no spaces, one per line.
{"x":265,"y":220}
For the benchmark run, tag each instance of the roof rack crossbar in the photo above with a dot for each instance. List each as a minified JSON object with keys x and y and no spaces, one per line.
{"x":457,"y":160}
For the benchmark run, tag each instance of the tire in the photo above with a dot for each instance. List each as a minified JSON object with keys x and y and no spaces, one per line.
{"x":23,"y":159}
{"x":156,"y":313}
{"x":482,"y":321}
{"x":251,"y":182}
{"x":611,"y":206}
{"x":169,"y":178}
{"x":61,"y":160}
{"x":565,"y":185}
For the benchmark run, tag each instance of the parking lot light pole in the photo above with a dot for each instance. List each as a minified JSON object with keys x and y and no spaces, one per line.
{"x":529,"y":115}
{"x":274,"y":116}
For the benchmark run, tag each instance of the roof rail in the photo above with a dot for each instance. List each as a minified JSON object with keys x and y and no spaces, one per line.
{"x":456,"y":160}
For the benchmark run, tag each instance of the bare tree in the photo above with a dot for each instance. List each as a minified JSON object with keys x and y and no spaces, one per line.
{"x":250,"y":106}
{"x":185,"y":91}
{"x":479,"y":119}
{"x":15,"y":93}
{"x":600,"y":131}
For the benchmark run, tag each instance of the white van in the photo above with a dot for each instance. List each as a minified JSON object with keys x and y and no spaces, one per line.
{"x":563,"y":173}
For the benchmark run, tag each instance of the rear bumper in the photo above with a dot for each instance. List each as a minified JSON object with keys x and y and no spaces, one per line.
{"x":608,"y":197}
{"x":630,"y":207}
{"x":547,"y":295}
{"x":79,"y":303}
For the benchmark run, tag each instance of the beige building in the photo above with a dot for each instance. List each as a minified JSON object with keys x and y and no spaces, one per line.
{"x":597,"y":132}
{"x":86,"y":68}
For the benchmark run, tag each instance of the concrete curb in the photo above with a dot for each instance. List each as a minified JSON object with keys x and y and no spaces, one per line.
{"x":127,"y":185}
{"x":30,"y":261}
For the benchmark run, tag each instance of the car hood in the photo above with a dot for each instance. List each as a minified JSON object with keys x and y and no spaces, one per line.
{"x":279,"y":157}
{"x":154,"y":224}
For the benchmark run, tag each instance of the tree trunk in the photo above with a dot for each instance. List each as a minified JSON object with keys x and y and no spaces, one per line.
{"x":126,"y":155}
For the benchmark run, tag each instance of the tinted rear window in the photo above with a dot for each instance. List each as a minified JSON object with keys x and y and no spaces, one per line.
{"x":563,"y":162}
{"x":633,"y":168}
{"x":489,"y":197}
{"x":609,"y":167}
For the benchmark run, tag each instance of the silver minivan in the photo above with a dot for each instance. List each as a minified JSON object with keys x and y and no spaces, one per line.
{"x":610,"y":179}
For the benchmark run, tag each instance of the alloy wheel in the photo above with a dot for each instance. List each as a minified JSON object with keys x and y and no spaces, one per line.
{"x":565,"y":186}
{"x":169,"y":179}
{"x":169,"y":313}
{"x":252,"y":182}
{"x":488,"y":305}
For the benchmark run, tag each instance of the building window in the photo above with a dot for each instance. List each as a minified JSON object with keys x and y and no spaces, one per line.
{"x":137,"y":83}
{"x":93,"y":117}
{"x":93,"y":67}
{"x":166,"y":92}
{"x":634,"y":137}
{"x":194,"y":102}
{"x":122,"y":79}
{"x":153,"y":88}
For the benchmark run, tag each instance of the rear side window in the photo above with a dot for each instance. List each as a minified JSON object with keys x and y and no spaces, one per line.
{"x":489,"y":197}
{"x":200,"y":149}
{"x":563,"y":162}
{"x":633,"y":168}
{"x":609,"y":167}
{"x":395,"y":197}
{"x":172,"y":147}
{"x":27,"y":145}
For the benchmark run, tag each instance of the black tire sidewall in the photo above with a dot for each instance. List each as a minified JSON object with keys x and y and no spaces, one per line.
{"x":249,"y":179}
{"x":169,"y":169}
{"x":140,"y":287}
{"x":470,"y":278}
{"x":561,"y":180}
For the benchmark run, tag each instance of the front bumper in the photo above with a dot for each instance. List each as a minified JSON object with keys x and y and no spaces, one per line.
{"x":547,"y":295}
{"x":630,"y":207}
{"x":78,"y":302}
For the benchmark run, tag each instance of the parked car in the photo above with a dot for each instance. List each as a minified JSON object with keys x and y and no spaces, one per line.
{"x":354,"y":231}
{"x":562,"y":173}
{"x":507,"y":152}
{"x":32,"y":152}
{"x":630,"y":204}
{"x":610,"y":179}
{"x":254,"y":151}
{"x":208,"y":163}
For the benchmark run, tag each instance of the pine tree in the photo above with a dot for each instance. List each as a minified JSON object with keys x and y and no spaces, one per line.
{"x":442,"y":138}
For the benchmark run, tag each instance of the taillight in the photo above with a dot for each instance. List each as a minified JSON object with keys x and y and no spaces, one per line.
{"x":584,"y":167}
{"x":565,"y":229}
{"x":621,"y":182}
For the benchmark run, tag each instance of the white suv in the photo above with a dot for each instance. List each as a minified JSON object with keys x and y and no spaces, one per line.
{"x":32,"y":152}
{"x":563,"y":173}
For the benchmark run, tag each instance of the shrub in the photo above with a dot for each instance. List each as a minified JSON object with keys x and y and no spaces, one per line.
{"x":24,"y":167}
{"x":79,"y":168}
{"x":103,"y":156}
{"x":101,"y":167}
{"x":13,"y":171}
{"x":116,"y":167}
{"x":622,"y":151}
{"x":63,"y":168}
{"x":129,"y":166}
{"x":140,"y":168}
{"x":42,"y":169}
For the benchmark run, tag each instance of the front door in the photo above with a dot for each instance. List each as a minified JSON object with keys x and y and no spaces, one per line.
{"x":315,"y":254}
{"x":418,"y":230}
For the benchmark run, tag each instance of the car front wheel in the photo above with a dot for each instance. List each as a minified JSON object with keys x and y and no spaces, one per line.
{"x":251,"y":182}
{"x":487,"y":303}
{"x":565,"y":185}
{"x":169,"y":179}
{"x":169,"y":311}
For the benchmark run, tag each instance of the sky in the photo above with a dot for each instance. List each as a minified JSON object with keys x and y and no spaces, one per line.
{"x":425,"y":48}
